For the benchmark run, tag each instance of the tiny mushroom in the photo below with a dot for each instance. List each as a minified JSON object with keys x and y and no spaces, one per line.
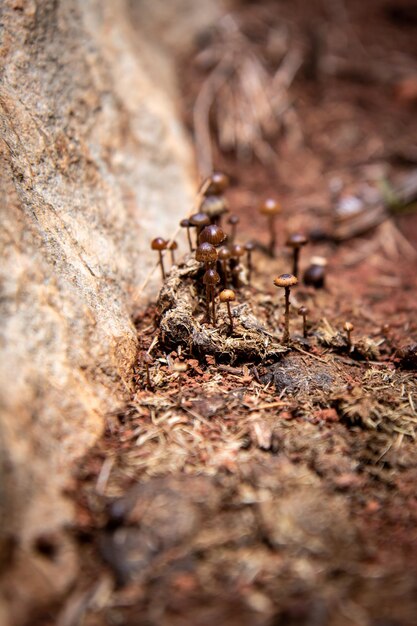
{"x":160,"y":244}
{"x":212,"y":234}
{"x":286,"y":281}
{"x":199,"y":220}
{"x":224,"y":256}
{"x":233,"y":221}
{"x":249,"y":247}
{"x":296,"y":242}
{"x":172,"y":246}
{"x":348,"y":327}
{"x":215,"y":184}
{"x":185,"y":223}
{"x":271,"y":208}
{"x":214,"y":207}
{"x":236,"y":253}
{"x":206,"y":253}
{"x":228,"y":296}
{"x":315,"y":274}
{"x":211,"y":279}
{"x":304,"y":311}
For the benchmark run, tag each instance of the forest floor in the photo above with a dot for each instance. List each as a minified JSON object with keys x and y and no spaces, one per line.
{"x":279,"y":490}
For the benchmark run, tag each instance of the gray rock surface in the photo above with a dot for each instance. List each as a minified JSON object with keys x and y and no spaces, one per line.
{"x":94,"y":162}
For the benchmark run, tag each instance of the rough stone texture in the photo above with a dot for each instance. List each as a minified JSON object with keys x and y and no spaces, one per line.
{"x":93,"y":162}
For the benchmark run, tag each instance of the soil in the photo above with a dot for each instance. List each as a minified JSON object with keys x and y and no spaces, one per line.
{"x":266,"y":487}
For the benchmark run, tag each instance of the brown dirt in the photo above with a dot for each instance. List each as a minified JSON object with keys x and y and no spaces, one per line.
{"x":276,"y":491}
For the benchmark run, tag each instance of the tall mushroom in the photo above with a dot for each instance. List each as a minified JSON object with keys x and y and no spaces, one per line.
{"x":212,"y":234}
{"x":228,"y":296}
{"x":233,"y":220}
{"x":271,"y":208}
{"x":286,"y":281}
{"x":199,"y":220}
{"x":249,"y":247}
{"x":211,"y":279}
{"x":160,"y":244}
{"x":296,"y":242}
{"x":224,"y":256}
{"x":185,"y":223}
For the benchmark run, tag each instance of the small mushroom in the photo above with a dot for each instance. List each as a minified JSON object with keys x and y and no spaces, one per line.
{"x":199,"y":220}
{"x":271,"y":208}
{"x":215,"y":184}
{"x":214,"y":207}
{"x":236,"y":253}
{"x":348,"y":328}
{"x":249,"y":247}
{"x":212,"y":234}
{"x":286,"y":281}
{"x":172,"y":246}
{"x":315,"y":274}
{"x":160,"y":244}
{"x":211,"y":279}
{"x":233,"y":220}
{"x":296,"y":242}
{"x":228,"y":296}
{"x":223,"y":257}
{"x":303,"y":311}
{"x":206,"y":253}
{"x":185,"y":223}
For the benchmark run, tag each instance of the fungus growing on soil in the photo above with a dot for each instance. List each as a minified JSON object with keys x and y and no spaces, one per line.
{"x":249,"y":247}
{"x":211,"y":279}
{"x":315,"y":274}
{"x":160,"y":244}
{"x":146,"y":360}
{"x":216,"y":184}
{"x":303,"y":311}
{"x":212,"y":234}
{"x":228,"y":296}
{"x":348,"y":327}
{"x":296,"y":242}
{"x":199,"y":221}
{"x":236,"y":253}
{"x":271,"y":208}
{"x":172,"y":247}
{"x":233,"y":221}
{"x":185,"y":223}
{"x":206,"y":253}
{"x":214,"y":207}
{"x":286,"y":281}
{"x":223,"y":256}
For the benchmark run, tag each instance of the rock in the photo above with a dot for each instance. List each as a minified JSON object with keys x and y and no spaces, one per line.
{"x":93,"y":159}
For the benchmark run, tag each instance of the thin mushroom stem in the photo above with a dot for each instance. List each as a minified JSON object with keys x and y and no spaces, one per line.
{"x":213,"y":303}
{"x":190,"y":243}
{"x":161,"y":263}
{"x":230,"y":316}
{"x":286,"y":337}
{"x":148,"y":376}
{"x":273,"y":235}
{"x":208,"y":298}
{"x":249,"y":264}
{"x":305,"y":325}
{"x":172,"y":256}
{"x":296,"y":258}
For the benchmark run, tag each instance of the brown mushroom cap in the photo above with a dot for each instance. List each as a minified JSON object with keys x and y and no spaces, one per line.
{"x":158,"y":243}
{"x":212,"y":234}
{"x":285,"y":280}
{"x":250,"y":246}
{"x":185,"y":223}
{"x":213,"y":206}
{"x":227,"y":295}
{"x":233,"y":220}
{"x":303,"y":310}
{"x":206,"y":253}
{"x":215,"y":184}
{"x":224,"y":253}
{"x":318,"y":260}
{"x":237,"y":251}
{"x":199,"y":220}
{"x":211,"y":277}
{"x":173,"y":245}
{"x":297,"y":240}
{"x":270,"y":207}
{"x":348,"y":327}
